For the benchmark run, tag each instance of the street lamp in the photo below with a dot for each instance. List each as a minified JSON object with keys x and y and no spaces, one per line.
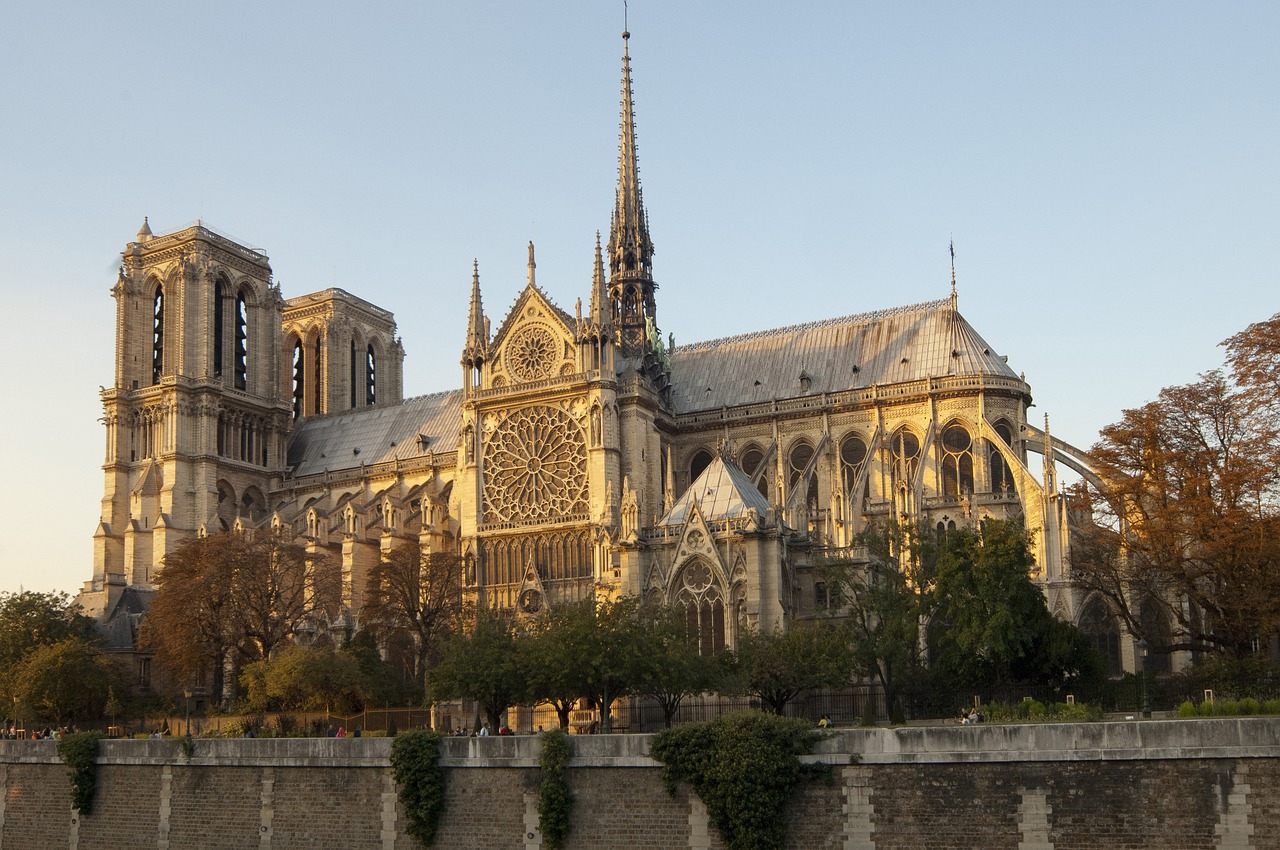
{"x":186,"y":695}
{"x":1144,"y":649}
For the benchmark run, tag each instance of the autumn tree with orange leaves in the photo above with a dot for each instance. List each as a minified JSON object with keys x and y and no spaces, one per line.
{"x":1185,"y":544}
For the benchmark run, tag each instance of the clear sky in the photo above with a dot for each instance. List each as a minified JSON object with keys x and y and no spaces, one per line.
{"x":1108,"y":171}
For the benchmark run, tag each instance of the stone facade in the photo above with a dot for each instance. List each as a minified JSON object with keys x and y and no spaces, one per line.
{"x":583,"y":455}
{"x":1179,"y":784}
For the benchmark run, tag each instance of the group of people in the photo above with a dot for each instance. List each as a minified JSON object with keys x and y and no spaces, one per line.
{"x":483,"y":731}
{"x":13,"y":733}
{"x":974,"y":716}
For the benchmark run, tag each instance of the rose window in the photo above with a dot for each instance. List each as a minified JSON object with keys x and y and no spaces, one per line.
{"x":535,"y":467}
{"x":531,"y":354}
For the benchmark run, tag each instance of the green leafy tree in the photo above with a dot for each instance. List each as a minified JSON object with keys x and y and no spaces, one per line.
{"x":596,"y":651}
{"x":778,"y":666}
{"x":29,"y":620}
{"x":304,"y":679}
{"x":989,"y":623}
{"x":671,"y":667}
{"x":66,"y":680}
{"x":484,"y":664}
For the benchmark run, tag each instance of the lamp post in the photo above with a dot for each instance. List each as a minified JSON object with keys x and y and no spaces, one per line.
{"x":17,"y":724}
{"x":1144,"y":649}
{"x":186,"y":696}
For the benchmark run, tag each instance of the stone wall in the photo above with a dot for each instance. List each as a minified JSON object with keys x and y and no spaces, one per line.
{"x":1174,"y":784}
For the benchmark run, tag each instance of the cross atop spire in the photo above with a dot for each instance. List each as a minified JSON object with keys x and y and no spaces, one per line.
{"x":630,"y":249}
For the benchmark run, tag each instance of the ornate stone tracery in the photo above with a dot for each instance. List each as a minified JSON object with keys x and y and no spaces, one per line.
{"x":532,"y":353}
{"x":535,"y":467}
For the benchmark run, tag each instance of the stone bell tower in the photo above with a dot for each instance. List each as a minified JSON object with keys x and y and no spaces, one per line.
{"x":196,"y":419}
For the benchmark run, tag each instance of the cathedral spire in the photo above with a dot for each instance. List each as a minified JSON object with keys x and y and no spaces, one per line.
{"x":630,"y":249}
{"x":476,"y":336}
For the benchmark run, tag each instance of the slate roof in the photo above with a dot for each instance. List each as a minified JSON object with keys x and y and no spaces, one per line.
{"x":891,"y":346}
{"x":722,"y":491}
{"x":379,"y":434}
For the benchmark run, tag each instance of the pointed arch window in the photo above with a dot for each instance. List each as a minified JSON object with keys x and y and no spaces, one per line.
{"x":219,"y":327}
{"x":752,"y":458}
{"x":904,"y":451}
{"x":1001,"y":474}
{"x":853,"y":456}
{"x":354,"y":370}
{"x":801,"y":455}
{"x":157,"y":334}
{"x":299,"y":379}
{"x":957,"y":461}
{"x":703,"y":607}
{"x":242,"y":343}
{"x":371,"y":377}
{"x":698,"y":464}
{"x":317,"y":406}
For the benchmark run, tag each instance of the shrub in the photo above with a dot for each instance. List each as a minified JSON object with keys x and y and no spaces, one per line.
{"x":80,"y":753}
{"x":415,"y":762}
{"x":555,"y":801}
{"x":1187,"y":709}
{"x":744,"y":768}
{"x":1248,"y":705}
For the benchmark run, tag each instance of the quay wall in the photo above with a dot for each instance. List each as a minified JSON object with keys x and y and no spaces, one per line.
{"x":1170,"y":784}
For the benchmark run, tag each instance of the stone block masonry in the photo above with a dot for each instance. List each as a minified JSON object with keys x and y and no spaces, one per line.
{"x":1175,"y":784}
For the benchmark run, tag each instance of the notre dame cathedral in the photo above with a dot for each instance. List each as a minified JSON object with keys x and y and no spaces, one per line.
{"x":583,"y":454}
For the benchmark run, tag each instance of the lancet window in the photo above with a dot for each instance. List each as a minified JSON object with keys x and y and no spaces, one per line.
{"x":957,"y":461}
{"x":904,"y":452}
{"x":698,"y":463}
{"x":752,"y":458}
{"x":801,"y":455}
{"x":157,"y":335}
{"x":1001,"y":475}
{"x":299,"y":379}
{"x":853,"y":456}
{"x":371,"y":377}
{"x":219,"y":326}
{"x":242,"y":343}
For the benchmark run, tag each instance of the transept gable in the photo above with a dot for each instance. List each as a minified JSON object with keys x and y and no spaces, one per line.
{"x":697,"y":543}
{"x":535,"y":341}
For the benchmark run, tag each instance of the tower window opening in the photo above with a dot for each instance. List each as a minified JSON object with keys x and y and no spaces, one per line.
{"x":371,"y":377}
{"x":219,"y":327}
{"x":242,"y":344}
{"x":353,"y":373}
{"x":157,"y":336}
{"x":299,"y":379}
{"x":317,"y":406}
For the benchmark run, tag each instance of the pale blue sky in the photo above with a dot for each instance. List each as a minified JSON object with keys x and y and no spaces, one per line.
{"x":1109,"y":173}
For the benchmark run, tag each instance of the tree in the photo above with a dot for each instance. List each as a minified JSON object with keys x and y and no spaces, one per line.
{"x":29,"y":620}
{"x":483,"y":664}
{"x":1185,"y":535}
{"x":596,"y":651}
{"x":882,"y":603}
{"x":233,"y":594}
{"x":64,"y":680}
{"x":671,"y":668}
{"x":989,"y":624}
{"x":304,"y":679}
{"x":780,"y":665}
{"x":417,"y":591}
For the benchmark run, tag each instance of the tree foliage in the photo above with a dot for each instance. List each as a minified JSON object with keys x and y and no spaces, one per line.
{"x":780,"y":665}
{"x":29,"y":620}
{"x":70,"y":679}
{"x":484,"y":663}
{"x":1185,"y":545}
{"x":671,"y":667}
{"x":303,"y":678}
{"x":234,"y":593}
{"x":989,"y":624}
